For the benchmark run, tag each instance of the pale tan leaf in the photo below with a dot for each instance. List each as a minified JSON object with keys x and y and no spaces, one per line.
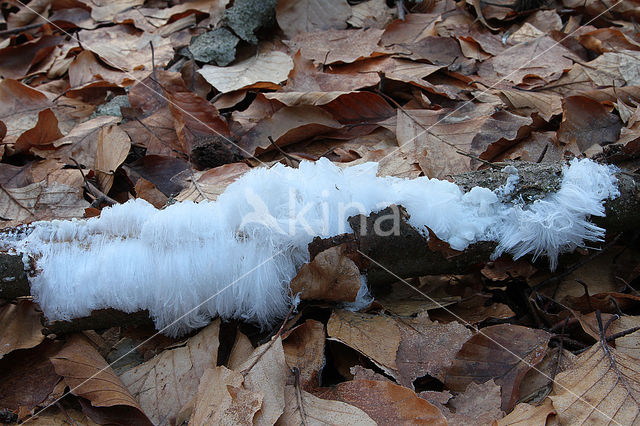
{"x":318,"y":411}
{"x":60,"y":198}
{"x":222,"y":399}
{"x":364,"y":332}
{"x":266,"y":373}
{"x":371,"y":14}
{"x":304,"y":98}
{"x":267,"y":69}
{"x":331,"y":275}
{"x":20,"y":325}
{"x":213,"y":182}
{"x":388,"y":403}
{"x":88,"y":375}
{"x":526,"y":414}
{"x":615,"y":69}
{"x":295,"y":16}
{"x":339,"y":46}
{"x":164,"y":384}
{"x":240,"y":352}
{"x":113,"y":148}
{"x":106,"y":10}
{"x":304,"y":349}
{"x":545,"y":104}
{"x":601,"y":388}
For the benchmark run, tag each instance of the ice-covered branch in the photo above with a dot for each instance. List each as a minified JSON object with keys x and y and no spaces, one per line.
{"x":247,"y":246}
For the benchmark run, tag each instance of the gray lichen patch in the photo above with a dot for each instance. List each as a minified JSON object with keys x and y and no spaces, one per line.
{"x":217,"y":46}
{"x":112,"y":107}
{"x":536,"y":180}
{"x":248,"y":16}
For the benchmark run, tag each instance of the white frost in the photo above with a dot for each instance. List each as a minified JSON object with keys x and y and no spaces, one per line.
{"x":236,"y":256}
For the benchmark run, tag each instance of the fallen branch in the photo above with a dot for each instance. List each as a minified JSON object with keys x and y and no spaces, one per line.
{"x":407,"y":253}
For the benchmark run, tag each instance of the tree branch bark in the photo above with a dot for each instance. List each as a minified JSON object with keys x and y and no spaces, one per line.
{"x":407,"y":254}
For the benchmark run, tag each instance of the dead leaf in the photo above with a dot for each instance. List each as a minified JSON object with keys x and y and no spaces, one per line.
{"x":222,"y":399}
{"x":546,"y":105}
{"x":213,"y":182}
{"x":26,"y":15}
{"x":105,"y":10}
{"x":501,"y":352}
{"x":266,"y":372}
{"x":44,"y":133}
{"x":59,"y":198}
{"x":363,"y":332}
{"x":527,"y":414}
{"x":601,"y":387}
{"x":371,"y":14}
{"x":240,"y":352}
{"x":89,"y":376}
{"x":286,"y":126}
{"x":473,"y":310}
{"x":21,"y":326}
{"x":331,"y":275}
{"x":16,"y":61}
{"x":164,"y":384}
{"x":587,"y":122}
{"x":388,"y":403}
{"x":614,"y":69}
{"x":19,"y":104}
{"x":339,"y":46}
{"x":59,"y":418}
{"x":264,"y":70}
{"x":427,"y":348}
{"x":304,"y":349}
{"x":478,"y":405}
{"x":309,"y":15}
{"x":529,"y":64}
{"x":148,"y":192}
{"x":319,"y":411}
{"x":28,"y":377}
{"x":607,"y":40}
{"x":86,"y":69}
{"x":113,"y":148}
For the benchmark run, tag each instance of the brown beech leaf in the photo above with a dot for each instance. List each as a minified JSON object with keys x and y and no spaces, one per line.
{"x":60,"y":196}
{"x":478,"y":405}
{"x":44,"y":133}
{"x":318,"y":411}
{"x":113,"y":148}
{"x":159,"y":170}
{"x":331,"y":275}
{"x":19,"y":104}
{"x":501,"y":352}
{"x":265,"y":372}
{"x":546,"y":105}
{"x":165,"y":383}
{"x":106,"y":10}
{"x":607,"y":40}
{"x":295,"y":16}
{"x":388,"y":403}
{"x":28,"y":377}
{"x":472,"y":310}
{"x":3,"y":130}
{"x":264,"y":70}
{"x":529,"y":64}
{"x":194,"y":117}
{"x":240,"y":351}
{"x":427,"y":347}
{"x":304,"y":348}
{"x":527,"y":414}
{"x":157,"y":133}
{"x":222,"y":399}
{"x":89,"y":376}
{"x":615,"y":69}
{"x":123,"y":48}
{"x":21,"y":326}
{"x":601,"y":387}
{"x":414,"y":28}
{"x":212,"y":182}
{"x":81,"y":143}
{"x":288,"y":125}
{"x":339,"y":46}
{"x":587,"y":122}
{"x":51,"y":417}
{"x":148,"y":192}
{"x":307,"y":77}
{"x":86,"y":69}
{"x":16,"y":61}
{"x":151,"y":18}
{"x":364,"y":332}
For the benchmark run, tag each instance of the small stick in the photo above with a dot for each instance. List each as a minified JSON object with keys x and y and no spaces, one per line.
{"x":93,"y":190}
{"x":289,"y":157}
{"x":303,"y":416}
{"x":20,"y":29}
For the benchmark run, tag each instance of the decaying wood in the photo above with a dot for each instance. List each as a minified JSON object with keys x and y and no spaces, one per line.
{"x":407,"y":253}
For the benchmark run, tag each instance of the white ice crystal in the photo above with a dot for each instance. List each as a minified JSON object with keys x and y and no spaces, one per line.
{"x":236,"y":256}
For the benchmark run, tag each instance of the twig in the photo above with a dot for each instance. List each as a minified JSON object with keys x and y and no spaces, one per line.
{"x":20,"y":29}
{"x":153,"y":61}
{"x":15,"y":200}
{"x":93,"y":190}
{"x":303,"y":416}
{"x":268,"y":346}
{"x":289,"y":157}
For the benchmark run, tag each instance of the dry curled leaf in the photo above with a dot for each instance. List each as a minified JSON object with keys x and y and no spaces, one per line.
{"x":20,"y":325}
